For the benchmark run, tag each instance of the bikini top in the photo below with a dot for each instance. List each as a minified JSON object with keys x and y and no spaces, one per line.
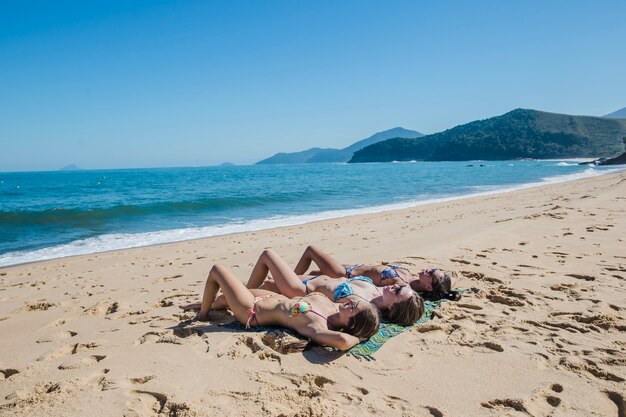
{"x":391,"y":271}
{"x":351,"y":268}
{"x":302,"y":307}
{"x":345,"y":289}
{"x":387,"y":273}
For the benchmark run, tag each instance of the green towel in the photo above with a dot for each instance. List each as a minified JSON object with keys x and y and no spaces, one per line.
{"x":364,"y":350}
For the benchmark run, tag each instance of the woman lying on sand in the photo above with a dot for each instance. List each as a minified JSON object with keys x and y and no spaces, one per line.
{"x":433,"y":284}
{"x":398,"y":303}
{"x":340,"y":325}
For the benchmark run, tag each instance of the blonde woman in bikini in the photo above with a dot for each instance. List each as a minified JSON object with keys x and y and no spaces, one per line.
{"x":340,"y":325}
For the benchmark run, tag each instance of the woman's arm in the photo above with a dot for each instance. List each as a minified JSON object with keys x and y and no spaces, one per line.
{"x":327,"y":264}
{"x":389,"y":281}
{"x":326,"y":337}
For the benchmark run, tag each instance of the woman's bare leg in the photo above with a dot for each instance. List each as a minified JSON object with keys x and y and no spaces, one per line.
{"x":270,"y":285}
{"x":238,"y":297}
{"x":219,"y":303}
{"x":287,"y":281}
{"x":326,"y":263}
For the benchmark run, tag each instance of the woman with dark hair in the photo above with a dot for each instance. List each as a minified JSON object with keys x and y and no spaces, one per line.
{"x":341,"y":325}
{"x":433,"y":284}
{"x":398,"y":303}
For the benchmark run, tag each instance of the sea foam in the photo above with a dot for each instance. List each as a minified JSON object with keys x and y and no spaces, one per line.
{"x":110,"y":242}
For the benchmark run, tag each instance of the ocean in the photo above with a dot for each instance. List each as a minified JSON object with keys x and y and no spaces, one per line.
{"x":45,"y":215}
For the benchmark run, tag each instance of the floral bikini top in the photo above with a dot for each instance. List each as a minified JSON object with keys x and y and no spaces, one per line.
{"x":302,"y":307}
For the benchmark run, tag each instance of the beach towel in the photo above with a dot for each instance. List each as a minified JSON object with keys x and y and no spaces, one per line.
{"x":363,"y":350}
{"x":366,"y":349}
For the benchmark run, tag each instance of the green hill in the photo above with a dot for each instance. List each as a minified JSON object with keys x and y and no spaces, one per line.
{"x":518,"y":134}
{"x":319,"y":155}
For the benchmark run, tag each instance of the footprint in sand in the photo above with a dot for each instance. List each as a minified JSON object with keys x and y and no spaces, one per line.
{"x":40,"y":306}
{"x":310,"y":380}
{"x":57,"y":337}
{"x":41,"y":393}
{"x":142,"y":380}
{"x":553,"y":401}
{"x":396,"y":403}
{"x":493,"y":346}
{"x":501,"y":405}
{"x":158,"y":337}
{"x":135,"y":313}
{"x":171,"y":278}
{"x":478,"y":276}
{"x":435,"y":412}
{"x":619,"y":401}
{"x":103,"y":308}
{"x":104,"y":384}
{"x":9,"y":372}
{"x":579,"y":366}
{"x":169,"y":300}
{"x":602,"y":228}
{"x":582,"y":277}
{"x":248,"y":345}
{"x":558,"y":388}
{"x":67,"y":350}
{"x":510,"y":298}
{"x":82,"y":363}
{"x":150,"y":403}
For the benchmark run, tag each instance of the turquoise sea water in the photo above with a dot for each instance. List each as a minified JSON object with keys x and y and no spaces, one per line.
{"x":46,"y":215}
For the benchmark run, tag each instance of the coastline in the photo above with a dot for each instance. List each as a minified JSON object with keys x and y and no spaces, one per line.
{"x":114,"y":242}
{"x":546,"y":262}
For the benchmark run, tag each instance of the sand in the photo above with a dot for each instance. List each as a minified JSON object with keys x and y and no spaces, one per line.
{"x":543,"y":334}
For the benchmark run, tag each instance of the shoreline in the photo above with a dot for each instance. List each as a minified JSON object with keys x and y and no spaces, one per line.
{"x":170,"y":236}
{"x":546,"y":266}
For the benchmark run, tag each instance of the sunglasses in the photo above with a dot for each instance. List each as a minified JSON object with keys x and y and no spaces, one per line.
{"x":398,"y":289}
{"x":353,"y":305}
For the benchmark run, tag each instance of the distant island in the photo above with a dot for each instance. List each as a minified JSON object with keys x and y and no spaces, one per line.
{"x":327,"y":155}
{"x":70,"y":167}
{"x":520,"y":133}
{"x":226,"y":164}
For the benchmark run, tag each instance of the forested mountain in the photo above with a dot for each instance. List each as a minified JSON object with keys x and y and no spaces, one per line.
{"x":520,"y":133}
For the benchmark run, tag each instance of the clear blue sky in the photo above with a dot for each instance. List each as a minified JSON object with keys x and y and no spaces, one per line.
{"x":117,"y":84}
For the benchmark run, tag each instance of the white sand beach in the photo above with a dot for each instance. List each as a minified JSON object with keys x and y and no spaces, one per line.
{"x":542,"y":334}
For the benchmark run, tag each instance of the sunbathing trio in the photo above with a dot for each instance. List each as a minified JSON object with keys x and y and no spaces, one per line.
{"x":336,"y":305}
